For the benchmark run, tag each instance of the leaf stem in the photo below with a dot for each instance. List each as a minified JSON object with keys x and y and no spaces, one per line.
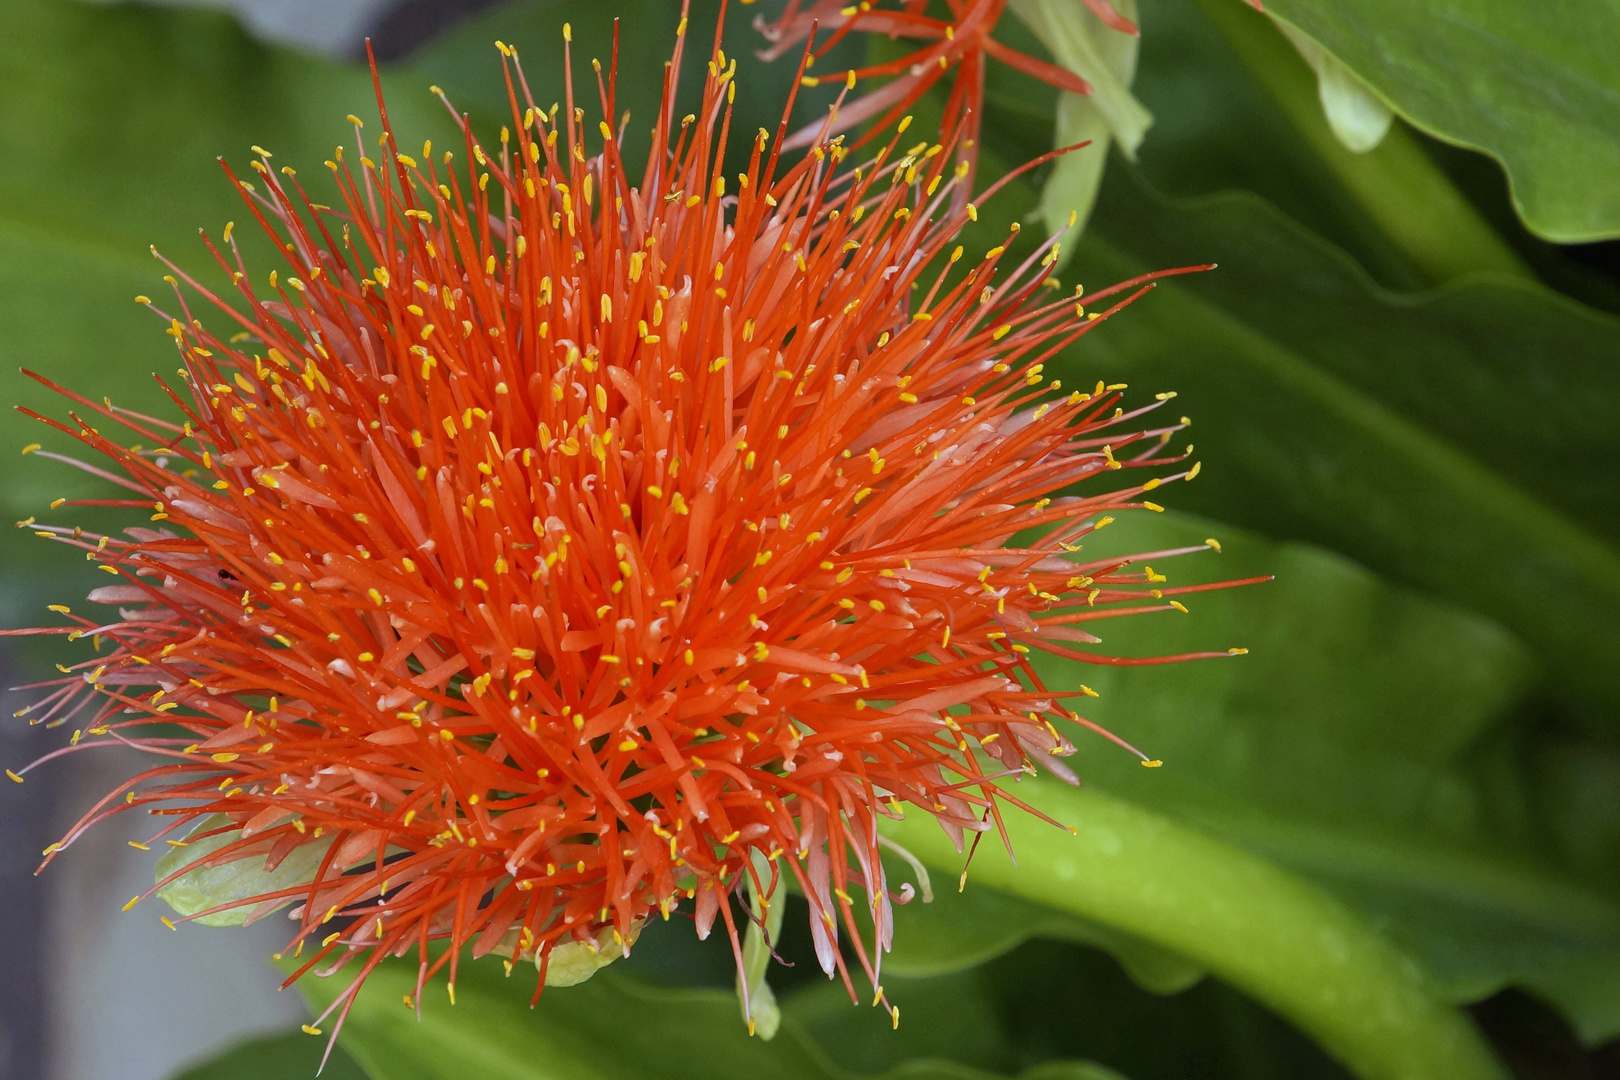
{"x":1271,"y":934}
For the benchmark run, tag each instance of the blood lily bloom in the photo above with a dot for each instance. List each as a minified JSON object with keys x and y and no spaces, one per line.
{"x":552,"y":546}
{"x":960,"y":43}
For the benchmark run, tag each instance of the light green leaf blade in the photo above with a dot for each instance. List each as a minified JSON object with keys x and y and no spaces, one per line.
{"x":1103,"y":57}
{"x":1070,"y":191}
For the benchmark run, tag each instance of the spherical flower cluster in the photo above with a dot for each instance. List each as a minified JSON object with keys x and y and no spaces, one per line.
{"x":553,"y":544}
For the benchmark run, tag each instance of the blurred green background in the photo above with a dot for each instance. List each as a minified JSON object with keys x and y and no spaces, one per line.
{"x":1383,"y":844}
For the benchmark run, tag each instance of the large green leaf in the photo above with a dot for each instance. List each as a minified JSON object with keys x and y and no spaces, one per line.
{"x":610,"y":1027}
{"x":294,"y":1056}
{"x":1239,"y":110}
{"x":1379,"y":425}
{"x":1533,"y":85}
{"x":1360,"y":743}
{"x":1331,"y":410}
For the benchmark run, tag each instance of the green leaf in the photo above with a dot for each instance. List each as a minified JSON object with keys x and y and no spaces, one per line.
{"x":293,"y":1056}
{"x":1238,"y":108}
{"x":1070,"y":191}
{"x":1104,"y":57}
{"x":1331,"y":411}
{"x":755,"y":997}
{"x":1360,"y":743}
{"x":1535,"y":86}
{"x":611,"y":1027}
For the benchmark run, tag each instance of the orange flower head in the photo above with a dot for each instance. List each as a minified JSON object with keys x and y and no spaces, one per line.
{"x":553,"y":545}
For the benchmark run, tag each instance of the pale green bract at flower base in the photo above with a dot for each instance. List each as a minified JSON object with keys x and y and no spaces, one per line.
{"x":572,"y":962}
{"x":240,"y":879}
{"x":1106,"y":59}
{"x":754,"y":995}
{"x":207,"y":887}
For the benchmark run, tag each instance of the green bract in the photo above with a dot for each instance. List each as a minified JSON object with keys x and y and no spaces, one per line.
{"x":207,"y":887}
